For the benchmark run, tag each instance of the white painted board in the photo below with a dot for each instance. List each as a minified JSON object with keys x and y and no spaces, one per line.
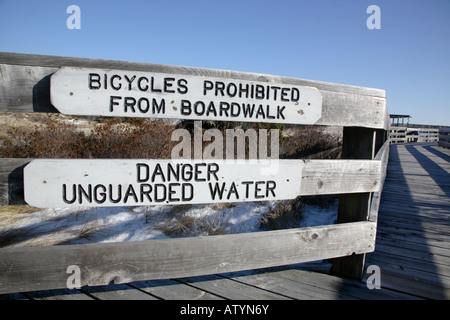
{"x":98,"y":183}
{"x":116,"y":93}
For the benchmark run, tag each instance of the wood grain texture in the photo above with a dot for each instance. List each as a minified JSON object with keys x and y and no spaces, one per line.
{"x":25,"y":87}
{"x":412,"y":247}
{"x":159,"y":259}
{"x":58,"y":61}
{"x":319,"y":177}
{"x":358,"y":143}
{"x":383,"y":156}
{"x":11,"y":181}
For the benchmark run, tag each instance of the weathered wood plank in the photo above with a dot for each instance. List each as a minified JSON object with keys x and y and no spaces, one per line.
{"x":431,"y":215}
{"x":416,"y":225}
{"x":383,"y":156}
{"x":169,"y":289}
{"x":414,"y":264}
{"x":405,"y":272}
{"x":413,"y":249}
{"x":417,"y":236}
{"x":117,"y":292}
{"x":414,"y":206}
{"x":58,"y":61}
{"x":158,"y":259}
{"x":443,"y":144}
{"x":427,"y":189}
{"x":59,"y":294}
{"x":434,"y":224}
{"x":358,"y":143}
{"x":425,"y":290}
{"x":317,"y":176}
{"x":278,"y":282}
{"x":13,"y":296}
{"x":412,"y":239}
{"x":26,"y":88}
{"x":301,"y":283}
{"x":351,"y":288}
{"x":382,"y":247}
{"x":11,"y":181}
{"x":229,"y":289}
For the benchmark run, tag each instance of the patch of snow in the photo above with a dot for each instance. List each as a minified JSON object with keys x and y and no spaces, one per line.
{"x":117,"y":224}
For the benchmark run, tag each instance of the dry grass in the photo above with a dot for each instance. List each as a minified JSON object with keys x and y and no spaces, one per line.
{"x":10,"y":214}
{"x":109,"y":138}
{"x":288,"y":214}
{"x":283,"y":215}
{"x":179,"y":226}
{"x":88,"y":230}
{"x":182,"y":223}
{"x":310,"y":142}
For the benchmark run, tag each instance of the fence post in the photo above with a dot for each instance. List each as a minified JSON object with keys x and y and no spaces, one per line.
{"x":358,"y":143}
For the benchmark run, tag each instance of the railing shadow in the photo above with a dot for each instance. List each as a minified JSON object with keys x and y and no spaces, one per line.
{"x":436,"y":172}
{"x":403,"y":246}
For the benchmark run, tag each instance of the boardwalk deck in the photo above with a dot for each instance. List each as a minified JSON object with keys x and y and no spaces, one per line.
{"x":284,"y":283}
{"x":412,"y":250}
{"x":413,"y":238}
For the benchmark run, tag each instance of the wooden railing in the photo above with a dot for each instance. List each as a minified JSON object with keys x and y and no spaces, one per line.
{"x":422,"y":134}
{"x":358,"y":178}
{"x":444,"y":137}
{"x":409,"y":135}
{"x":398,"y":135}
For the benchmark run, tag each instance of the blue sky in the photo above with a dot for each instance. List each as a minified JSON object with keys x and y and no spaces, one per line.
{"x":324,"y":40}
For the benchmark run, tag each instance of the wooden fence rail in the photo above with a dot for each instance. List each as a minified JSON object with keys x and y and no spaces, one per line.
{"x":444,"y":137}
{"x":398,"y":135}
{"x":358,"y":178}
{"x":422,"y":134}
{"x":408,"y":135}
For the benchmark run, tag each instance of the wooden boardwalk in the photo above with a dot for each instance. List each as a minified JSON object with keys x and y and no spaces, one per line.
{"x":286,"y":283}
{"x":413,"y":238}
{"x":412,"y":250}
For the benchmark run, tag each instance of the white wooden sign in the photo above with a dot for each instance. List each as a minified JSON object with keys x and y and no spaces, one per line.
{"x":116,"y":93}
{"x":95,"y":183}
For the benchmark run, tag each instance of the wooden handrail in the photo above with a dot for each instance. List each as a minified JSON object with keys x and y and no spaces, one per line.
{"x":358,"y":178}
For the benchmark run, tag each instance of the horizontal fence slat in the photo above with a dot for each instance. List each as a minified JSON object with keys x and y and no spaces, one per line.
{"x":383,"y":156}
{"x":39,"y":268}
{"x":319,"y":177}
{"x":444,"y":144}
{"x":340,"y":176}
{"x":58,"y":62}
{"x":11,"y":181}
{"x":26,"y":88}
{"x":444,"y":137}
{"x":413,"y":134}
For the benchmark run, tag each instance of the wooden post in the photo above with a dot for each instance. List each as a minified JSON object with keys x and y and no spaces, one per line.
{"x":358,"y":143}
